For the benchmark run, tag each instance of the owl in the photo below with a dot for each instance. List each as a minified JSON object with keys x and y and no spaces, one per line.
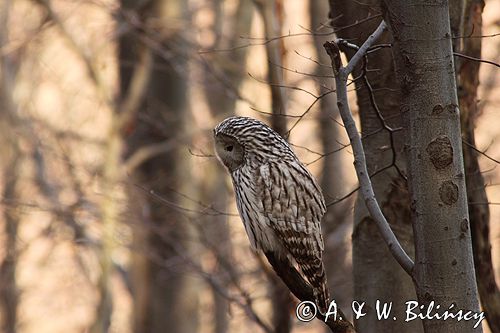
{"x":278,"y":199}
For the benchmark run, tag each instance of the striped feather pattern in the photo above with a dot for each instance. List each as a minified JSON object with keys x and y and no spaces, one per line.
{"x":279,"y":201}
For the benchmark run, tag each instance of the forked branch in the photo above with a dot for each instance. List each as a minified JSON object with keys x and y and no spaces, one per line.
{"x":366,"y":189}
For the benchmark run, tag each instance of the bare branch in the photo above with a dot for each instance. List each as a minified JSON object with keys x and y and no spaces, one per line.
{"x":476,"y":59}
{"x":217,"y":286}
{"x":90,"y":66}
{"x":145,"y":153}
{"x":480,"y":151}
{"x":359,"y":155}
{"x":130,"y":104}
{"x":266,"y":40}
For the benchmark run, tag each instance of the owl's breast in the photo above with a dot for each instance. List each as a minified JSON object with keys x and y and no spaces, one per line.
{"x":250,"y":206}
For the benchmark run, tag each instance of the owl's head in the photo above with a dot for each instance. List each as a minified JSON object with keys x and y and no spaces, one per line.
{"x":229,"y":151}
{"x":239,"y":140}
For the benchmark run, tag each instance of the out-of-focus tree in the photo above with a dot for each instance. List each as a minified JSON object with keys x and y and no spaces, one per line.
{"x":377,"y":276}
{"x":10,"y":155}
{"x":479,"y":212}
{"x":271,"y":13}
{"x":223,"y":73}
{"x":335,"y":224}
{"x":272,"y":17}
{"x":165,"y":296}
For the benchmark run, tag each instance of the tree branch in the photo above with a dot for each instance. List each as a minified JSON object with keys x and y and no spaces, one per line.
{"x":476,"y":59}
{"x":366,"y":188}
{"x":147,"y":152}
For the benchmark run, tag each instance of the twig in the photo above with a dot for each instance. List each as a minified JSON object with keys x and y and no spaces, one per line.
{"x":145,"y":153}
{"x":480,"y":151}
{"x":317,"y":98}
{"x":90,"y":66}
{"x":267,"y":40}
{"x":476,"y":59}
{"x":366,"y":189}
{"x":207,"y":210}
{"x":217,"y":286}
{"x":373,"y":102}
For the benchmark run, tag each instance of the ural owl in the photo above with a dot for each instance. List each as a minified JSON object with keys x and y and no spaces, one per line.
{"x":279,"y":201}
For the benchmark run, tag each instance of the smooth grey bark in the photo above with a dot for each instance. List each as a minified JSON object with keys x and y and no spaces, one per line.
{"x":377,"y":276}
{"x":422,"y":49}
{"x":165,"y":295}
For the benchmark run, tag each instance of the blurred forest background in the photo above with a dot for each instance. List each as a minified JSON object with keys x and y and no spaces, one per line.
{"x":115,"y":215}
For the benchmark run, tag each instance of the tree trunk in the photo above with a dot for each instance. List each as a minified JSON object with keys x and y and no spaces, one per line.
{"x":334,"y":224}
{"x":109,"y":216}
{"x":8,"y":287}
{"x":9,"y":171}
{"x":377,"y":275}
{"x":221,"y":94}
{"x":271,"y":12}
{"x":479,"y":213}
{"x":165,"y":296}
{"x":9,"y":156}
{"x":422,"y":49}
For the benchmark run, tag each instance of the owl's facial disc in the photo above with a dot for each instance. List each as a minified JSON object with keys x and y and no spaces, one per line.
{"x":229,"y":151}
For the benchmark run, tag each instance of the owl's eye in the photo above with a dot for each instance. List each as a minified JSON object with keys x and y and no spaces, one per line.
{"x":229,"y":151}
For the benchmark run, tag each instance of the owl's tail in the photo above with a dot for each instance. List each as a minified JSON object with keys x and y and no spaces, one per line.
{"x":315,"y":274}
{"x":313,"y":287}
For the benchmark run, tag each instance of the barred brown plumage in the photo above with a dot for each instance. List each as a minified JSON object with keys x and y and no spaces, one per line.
{"x":278,"y":199}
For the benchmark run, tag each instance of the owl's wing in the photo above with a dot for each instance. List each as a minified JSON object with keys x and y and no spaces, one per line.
{"x":293,"y":203}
